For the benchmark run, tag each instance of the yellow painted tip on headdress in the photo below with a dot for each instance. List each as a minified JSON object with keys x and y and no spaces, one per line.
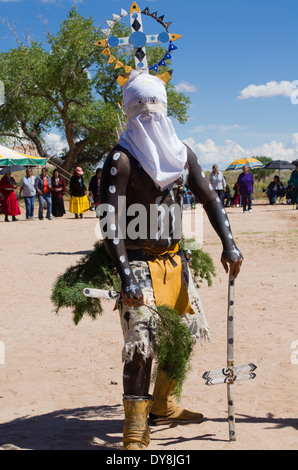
{"x":106,"y":51}
{"x":134,"y":8}
{"x":118,"y":64}
{"x":111,"y":59}
{"x":128,"y":68}
{"x":165,"y":77}
{"x":121,"y":80}
{"x":101,"y":43}
{"x":174,"y":37}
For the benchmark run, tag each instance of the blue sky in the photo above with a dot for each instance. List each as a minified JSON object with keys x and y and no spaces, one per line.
{"x":237,"y":61}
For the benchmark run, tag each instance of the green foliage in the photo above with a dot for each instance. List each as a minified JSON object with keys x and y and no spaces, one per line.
{"x":173,"y":345}
{"x":260,"y":174}
{"x":201,"y":263}
{"x":94,"y":271}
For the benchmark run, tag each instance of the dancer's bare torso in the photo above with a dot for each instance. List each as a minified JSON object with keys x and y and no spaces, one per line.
{"x":136,"y":213}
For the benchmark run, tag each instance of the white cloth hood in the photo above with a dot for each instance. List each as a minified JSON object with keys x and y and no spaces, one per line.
{"x":150,"y":136}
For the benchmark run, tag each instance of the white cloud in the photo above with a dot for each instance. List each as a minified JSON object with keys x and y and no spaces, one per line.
{"x":186,"y":87}
{"x":269,"y":90}
{"x":216,"y":127}
{"x":210,"y":153}
{"x":54,"y":144}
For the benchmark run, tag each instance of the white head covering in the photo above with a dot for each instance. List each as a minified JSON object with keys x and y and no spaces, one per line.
{"x":150,"y":136}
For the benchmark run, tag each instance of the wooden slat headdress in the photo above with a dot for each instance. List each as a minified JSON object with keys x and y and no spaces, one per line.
{"x":138,"y":40}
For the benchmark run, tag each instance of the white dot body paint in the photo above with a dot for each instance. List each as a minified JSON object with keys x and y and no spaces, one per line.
{"x":116,"y":156}
{"x":210,"y":187}
{"x":217,"y":199}
{"x":203,"y":174}
{"x":132,"y":287}
{"x":127,"y":271}
{"x":113,"y":227}
{"x":230,"y":236}
{"x":112,"y":189}
{"x":113,"y":171}
{"x":111,"y":208}
{"x":227,"y":223}
{"x":122,"y":259}
{"x":223,"y":211}
{"x":116,"y":241}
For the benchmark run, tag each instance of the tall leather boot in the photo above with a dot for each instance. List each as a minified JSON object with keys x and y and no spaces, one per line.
{"x":136,"y":432}
{"x":165,"y":410}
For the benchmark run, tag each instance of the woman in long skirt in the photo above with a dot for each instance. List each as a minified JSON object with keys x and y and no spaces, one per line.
{"x":58,"y":191}
{"x":78,"y":200}
{"x":9,"y":202}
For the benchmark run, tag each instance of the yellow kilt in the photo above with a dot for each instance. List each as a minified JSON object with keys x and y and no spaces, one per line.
{"x":77,"y":205}
{"x":168,"y":284}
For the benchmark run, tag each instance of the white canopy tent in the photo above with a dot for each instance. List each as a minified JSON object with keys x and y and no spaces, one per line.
{"x":11,"y":157}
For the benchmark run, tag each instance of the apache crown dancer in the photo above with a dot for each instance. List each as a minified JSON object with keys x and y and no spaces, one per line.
{"x":148,"y":167}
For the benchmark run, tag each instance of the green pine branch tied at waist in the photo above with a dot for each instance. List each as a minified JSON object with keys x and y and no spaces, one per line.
{"x":173,"y":342}
{"x":96,"y":271}
{"x":173,"y":346}
{"x":201,"y":263}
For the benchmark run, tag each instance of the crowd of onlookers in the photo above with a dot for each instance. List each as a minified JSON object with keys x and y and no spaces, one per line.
{"x":51,"y":190}
{"x":244,"y":189}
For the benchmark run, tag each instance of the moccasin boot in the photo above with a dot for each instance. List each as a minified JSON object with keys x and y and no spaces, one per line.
{"x":136,"y":432}
{"x":165,"y":409}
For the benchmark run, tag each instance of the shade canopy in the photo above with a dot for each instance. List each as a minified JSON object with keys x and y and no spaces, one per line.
{"x":279,"y":165}
{"x":11,"y":157}
{"x":251,"y":162}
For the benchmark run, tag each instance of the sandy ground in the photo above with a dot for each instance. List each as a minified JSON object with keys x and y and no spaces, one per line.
{"x":61,"y":384}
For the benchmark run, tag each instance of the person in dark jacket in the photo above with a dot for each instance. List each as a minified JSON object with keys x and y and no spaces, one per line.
{"x":58,"y":191}
{"x":274,"y":190}
{"x":78,"y":200}
{"x":94,"y":186}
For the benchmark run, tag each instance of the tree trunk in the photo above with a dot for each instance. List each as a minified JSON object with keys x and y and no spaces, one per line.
{"x":73,"y":154}
{"x":35,"y":140}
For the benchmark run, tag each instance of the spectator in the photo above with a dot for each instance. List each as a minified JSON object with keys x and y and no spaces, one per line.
{"x":218,"y":182}
{"x":246,"y":185}
{"x":274,"y":190}
{"x":58,"y":191}
{"x":9,"y":202}
{"x":227,"y":196}
{"x":94,"y":186}
{"x":29,"y":193}
{"x":43,"y":186}
{"x":191,"y":198}
{"x":186,"y":198}
{"x":236,"y":198}
{"x":294,"y":184}
{"x":79,"y":202}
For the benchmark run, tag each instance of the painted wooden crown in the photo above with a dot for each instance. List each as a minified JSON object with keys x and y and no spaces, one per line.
{"x":138,"y":40}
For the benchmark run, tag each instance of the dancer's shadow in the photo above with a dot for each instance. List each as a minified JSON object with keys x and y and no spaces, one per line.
{"x":274,"y":423}
{"x":100,"y":428}
{"x":92,"y":428}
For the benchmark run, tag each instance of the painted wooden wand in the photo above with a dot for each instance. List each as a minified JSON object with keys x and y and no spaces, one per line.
{"x":231,"y":373}
{"x":230,"y":358}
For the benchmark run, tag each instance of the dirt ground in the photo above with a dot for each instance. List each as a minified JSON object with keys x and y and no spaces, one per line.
{"x":61,"y":384}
